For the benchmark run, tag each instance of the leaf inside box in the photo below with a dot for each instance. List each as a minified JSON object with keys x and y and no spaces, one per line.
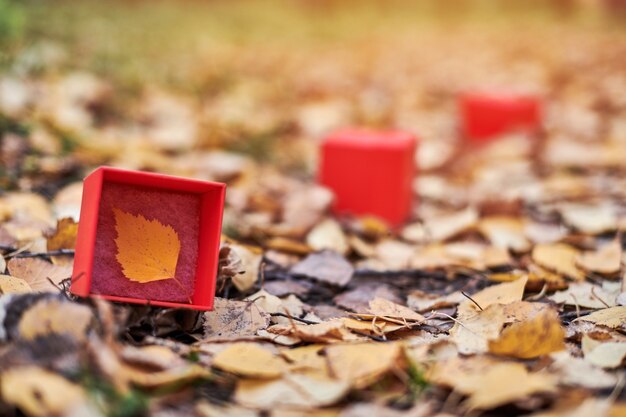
{"x":146,"y":244}
{"x":147,"y":250}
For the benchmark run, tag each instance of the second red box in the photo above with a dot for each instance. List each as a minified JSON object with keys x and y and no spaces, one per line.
{"x":371,"y":172}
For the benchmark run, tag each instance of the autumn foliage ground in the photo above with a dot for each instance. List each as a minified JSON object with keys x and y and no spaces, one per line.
{"x":503,"y":295}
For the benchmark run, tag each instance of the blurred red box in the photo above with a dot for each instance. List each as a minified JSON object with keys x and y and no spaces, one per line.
{"x":370,"y":172}
{"x":189,"y":210}
{"x":487,"y":115}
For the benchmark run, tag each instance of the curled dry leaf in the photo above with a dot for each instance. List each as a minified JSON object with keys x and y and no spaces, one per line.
{"x":63,"y":238}
{"x":558,"y":257}
{"x":250,"y":360}
{"x":247,"y":270}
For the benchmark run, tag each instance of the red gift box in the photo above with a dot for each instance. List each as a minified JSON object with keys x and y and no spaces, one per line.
{"x":148,"y":238}
{"x":370,"y":172}
{"x":487,"y":115}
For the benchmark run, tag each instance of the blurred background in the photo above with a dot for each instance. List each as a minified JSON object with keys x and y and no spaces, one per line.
{"x":207,"y":88}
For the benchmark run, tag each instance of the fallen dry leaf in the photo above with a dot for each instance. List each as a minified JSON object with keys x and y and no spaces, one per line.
{"x":292,"y":390}
{"x":328,"y":235}
{"x":38,"y":392}
{"x":55,"y":316}
{"x":64,"y":237}
{"x":12,"y":285}
{"x":614,"y":317}
{"x":603,"y":354}
{"x":585,"y":294}
{"x":505,"y":232}
{"x":558,"y":257}
{"x":232,"y":320}
{"x":384,"y":308}
{"x":39,"y":274}
{"x":592,"y":219}
{"x":539,"y":335}
{"x":606,"y":260}
{"x":361,"y":364}
{"x":482,"y":380}
{"x":325,"y":266}
{"x":147,"y":250}
{"x":250,"y":360}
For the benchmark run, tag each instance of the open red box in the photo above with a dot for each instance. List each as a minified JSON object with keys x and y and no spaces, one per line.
{"x":129,"y":216}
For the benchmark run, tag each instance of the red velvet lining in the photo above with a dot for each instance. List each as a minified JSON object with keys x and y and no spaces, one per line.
{"x":177,"y":209}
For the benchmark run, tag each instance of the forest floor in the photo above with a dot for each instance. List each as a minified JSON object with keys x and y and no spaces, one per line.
{"x":503,"y":295}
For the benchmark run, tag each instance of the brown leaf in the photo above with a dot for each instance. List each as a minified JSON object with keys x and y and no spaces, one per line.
{"x":232,"y":320}
{"x":325,"y":266}
{"x":36,"y":273}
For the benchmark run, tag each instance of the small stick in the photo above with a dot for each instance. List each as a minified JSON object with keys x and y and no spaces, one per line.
{"x":60,"y":252}
{"x":472,"y":300}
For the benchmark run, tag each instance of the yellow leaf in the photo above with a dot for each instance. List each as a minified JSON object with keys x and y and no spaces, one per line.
{"x":558,"y":257}
{"x":362,"y":364}
{"x":12,"y":285}
{"x":488,"y":383}
{"x":250,"y":360}
{"x":38,"y":392}
{"x":147,"y":250}
{"x":51,"y":316}
{"x":63,"y":238}
{"x":607,"y":260}
{"x":613,"y":317}
{"x":527,"y":339}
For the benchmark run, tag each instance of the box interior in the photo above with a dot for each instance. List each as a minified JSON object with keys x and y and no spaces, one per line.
{"x":179,"y":209}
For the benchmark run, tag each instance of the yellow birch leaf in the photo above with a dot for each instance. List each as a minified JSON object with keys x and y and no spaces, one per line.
{"x":558,"y":257}
{"x":527,"y":339}
{"x":250,"y":360}
{"x":147,"y":250}
{"x":613,"y":317}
